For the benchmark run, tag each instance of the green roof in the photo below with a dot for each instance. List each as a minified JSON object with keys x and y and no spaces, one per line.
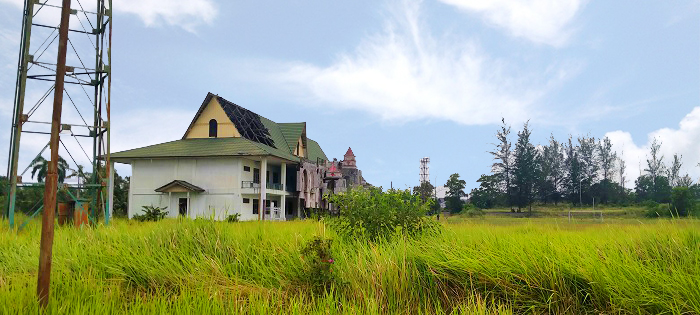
{"x":205,"y":147}
{"x":292,"y":132}
{"x":314,"y":151}
{"x":259,"y":137}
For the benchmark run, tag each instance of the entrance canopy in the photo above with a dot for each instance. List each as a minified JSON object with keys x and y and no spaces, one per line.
{"x":179,"y":186}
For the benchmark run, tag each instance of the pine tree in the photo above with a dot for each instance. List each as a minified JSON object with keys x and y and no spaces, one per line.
{"x":525,"y":171}
{"x":573,"y":176}
{"x":503,"y":167}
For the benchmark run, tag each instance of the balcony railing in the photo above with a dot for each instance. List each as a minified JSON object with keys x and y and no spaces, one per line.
{"x":250,"y":184}
{"x":274,"y":214}
{"x":256,"y":186}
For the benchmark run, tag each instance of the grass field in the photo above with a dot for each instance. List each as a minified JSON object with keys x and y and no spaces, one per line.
{"x":484,"y":265}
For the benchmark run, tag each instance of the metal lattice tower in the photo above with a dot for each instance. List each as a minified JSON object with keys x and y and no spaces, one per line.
{"x":86,"y":112}
{"x":424,"y":170}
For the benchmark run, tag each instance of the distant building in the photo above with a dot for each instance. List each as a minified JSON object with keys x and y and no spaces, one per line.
{"x":231,"y":160}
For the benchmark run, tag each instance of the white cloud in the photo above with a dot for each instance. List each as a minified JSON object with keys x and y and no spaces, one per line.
{"x":405,"y":74}
{"x":187,"y":14}
{"x":541,"y":21}
{"x":685,"y":140}
{"x":184,"y":13}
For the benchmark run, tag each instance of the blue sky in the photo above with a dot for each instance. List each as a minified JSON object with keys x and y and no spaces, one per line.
{"x":399,"y":80}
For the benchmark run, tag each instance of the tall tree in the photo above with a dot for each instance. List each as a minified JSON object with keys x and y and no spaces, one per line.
{"x":674,"y":171}
{"x":589,"y":162}
{"x":655,"y":162}
{"x":425,"y":191}
{"x":551,"y":170}
{"x":622,"y":167}
{"x":525,"y":170}
{"x":503,"y":167}
{"x":607,"y":158}
{"x":573,"y":176}
{"x":455,"y":191}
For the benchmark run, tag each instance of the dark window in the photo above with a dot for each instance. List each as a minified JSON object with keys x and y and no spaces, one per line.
{"x":256,"y":205}
{"x":267,"y":206}
{"x":213,"y":128}
{"x":256,"y":176}
{"x":246,"y":200}
{"x":182,"y":205}
{"x":246,"y":168}
{"x":276,"y":178}
{"x":267,"y":177}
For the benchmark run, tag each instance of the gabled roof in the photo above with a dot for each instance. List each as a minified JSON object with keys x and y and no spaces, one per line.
{"x":250,"y":125}
{"x":292,"y":132}
{"x":259,"y":137}
{"x":180,"y":183}
{"x":314,"y":151}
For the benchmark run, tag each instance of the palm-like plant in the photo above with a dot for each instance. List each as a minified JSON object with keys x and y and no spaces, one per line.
{"x":40,"y":167}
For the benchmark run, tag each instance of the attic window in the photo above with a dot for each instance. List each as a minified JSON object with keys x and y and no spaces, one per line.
{"x":213,"y":128}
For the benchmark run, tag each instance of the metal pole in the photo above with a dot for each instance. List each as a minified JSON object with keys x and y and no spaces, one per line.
{"x":50,"y":189}
{"x":19,"y":109}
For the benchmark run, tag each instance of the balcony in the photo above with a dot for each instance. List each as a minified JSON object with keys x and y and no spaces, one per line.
{"x":252,"y":187}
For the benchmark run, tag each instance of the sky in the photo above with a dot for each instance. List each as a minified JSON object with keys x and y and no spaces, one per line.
{"x":396,"y":80}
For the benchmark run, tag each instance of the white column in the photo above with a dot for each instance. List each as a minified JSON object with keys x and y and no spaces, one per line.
{"x":187,"y":213}
{"x":263,"y":187}
{"x":283,"y":205}
{"x":110,"y":193}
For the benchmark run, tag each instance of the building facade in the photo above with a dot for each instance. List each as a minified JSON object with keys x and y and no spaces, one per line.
{"x":231,"y":160}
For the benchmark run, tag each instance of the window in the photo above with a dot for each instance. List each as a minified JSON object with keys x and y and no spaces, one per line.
{"x":213,"y":128}
{"x":246,"y":200}
{"x":246,"y":168}
{"x":256,"y":176}
{"x":256,"y":206}
{"x":275,"y":178}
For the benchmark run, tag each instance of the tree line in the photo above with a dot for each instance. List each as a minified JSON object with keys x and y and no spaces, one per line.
{"x":28,"y":199}
{"x":580,"y":171}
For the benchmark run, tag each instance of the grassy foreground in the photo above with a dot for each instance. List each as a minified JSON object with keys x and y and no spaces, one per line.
{"x":474,"y":266}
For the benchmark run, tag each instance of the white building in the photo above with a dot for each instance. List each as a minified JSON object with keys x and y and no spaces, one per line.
{"x":230,"y":160}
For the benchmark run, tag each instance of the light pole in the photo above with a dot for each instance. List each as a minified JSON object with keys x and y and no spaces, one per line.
{"x":580,"y":200}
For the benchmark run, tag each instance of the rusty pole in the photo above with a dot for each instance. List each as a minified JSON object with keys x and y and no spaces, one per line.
{"x":51,"y":186}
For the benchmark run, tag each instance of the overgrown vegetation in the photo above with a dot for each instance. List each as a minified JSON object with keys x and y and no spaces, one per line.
{"x":482,"y":266}
{"x":372,"y":214}
{"x":151,"y":213}
{"x":581,"y":171}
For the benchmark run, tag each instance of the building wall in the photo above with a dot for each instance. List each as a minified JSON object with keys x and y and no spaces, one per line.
{"x":200,"y":129}
{"x":219,"y":177}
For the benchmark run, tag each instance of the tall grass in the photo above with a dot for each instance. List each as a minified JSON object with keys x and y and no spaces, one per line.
{"x":474,"y":266}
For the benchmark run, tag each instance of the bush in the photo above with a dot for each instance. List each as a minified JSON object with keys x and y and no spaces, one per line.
{"x":151,"y":213}
{"x":372,"y":214}
{"x":682,"y":201}
{"x":471,"y":211}
{"x":233,"y":217}
{"x":318,"y":262}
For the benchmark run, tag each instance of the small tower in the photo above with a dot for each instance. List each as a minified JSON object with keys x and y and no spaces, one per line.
{"x":424,"y":170}
{"x":349,"y":159}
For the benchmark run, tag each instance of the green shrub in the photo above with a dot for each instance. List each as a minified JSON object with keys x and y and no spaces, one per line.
{"x":233,"y":217}
{"x":372,"y":214}
{"x":151,"y":213}
{"x":318,"y":262}
{"x":682,"y":201}
{"x":471,"y":210}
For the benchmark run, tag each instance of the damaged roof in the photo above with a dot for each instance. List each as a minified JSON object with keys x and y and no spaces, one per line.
{"x":259,"y":137}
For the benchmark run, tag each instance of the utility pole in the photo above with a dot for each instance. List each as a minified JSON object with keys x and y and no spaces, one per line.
{"x":51,"y":186}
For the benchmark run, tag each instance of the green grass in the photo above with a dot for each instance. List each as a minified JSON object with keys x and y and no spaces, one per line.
{"x":477,"y":266}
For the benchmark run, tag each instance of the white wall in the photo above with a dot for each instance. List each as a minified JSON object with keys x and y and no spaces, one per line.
{"x":219,"y":177}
